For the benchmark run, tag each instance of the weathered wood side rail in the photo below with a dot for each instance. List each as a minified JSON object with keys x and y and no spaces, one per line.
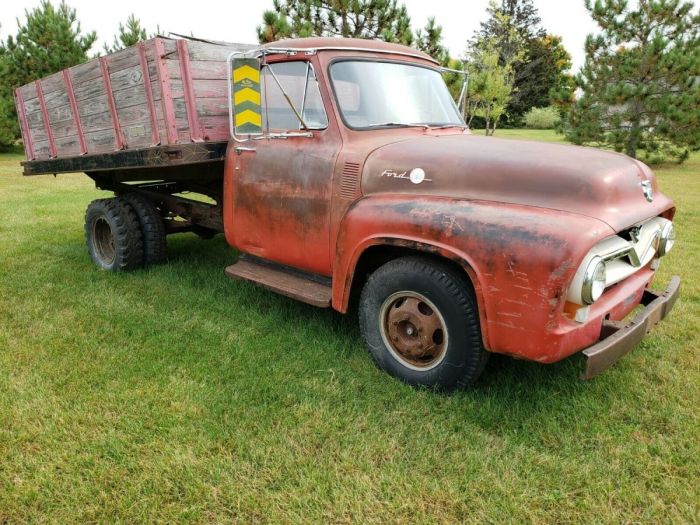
{"x":156,"y":93}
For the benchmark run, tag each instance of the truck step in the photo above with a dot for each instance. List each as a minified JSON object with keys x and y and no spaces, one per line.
{"x":285,"y":281}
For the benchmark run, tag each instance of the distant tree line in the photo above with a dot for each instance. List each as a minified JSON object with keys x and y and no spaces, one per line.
{"x":51,"y":39}
{"x":638,"y":91}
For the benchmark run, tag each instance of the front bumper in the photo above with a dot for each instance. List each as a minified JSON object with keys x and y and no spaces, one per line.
{"x":618,"y":339}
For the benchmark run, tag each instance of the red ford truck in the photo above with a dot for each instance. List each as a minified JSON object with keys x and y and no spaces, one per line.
{"x":342,"y":169}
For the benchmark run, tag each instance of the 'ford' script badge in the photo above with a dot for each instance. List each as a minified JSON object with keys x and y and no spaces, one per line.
{"x":416,"y":175}
{"x":648,"y":191}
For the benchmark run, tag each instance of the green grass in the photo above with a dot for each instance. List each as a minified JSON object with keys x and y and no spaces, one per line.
{"x":174,"y":394}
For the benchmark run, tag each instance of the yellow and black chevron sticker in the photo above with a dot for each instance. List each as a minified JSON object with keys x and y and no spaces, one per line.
{"x":246,"y":96}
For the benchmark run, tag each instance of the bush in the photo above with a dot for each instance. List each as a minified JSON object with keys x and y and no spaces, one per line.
{"x":542,"y":118}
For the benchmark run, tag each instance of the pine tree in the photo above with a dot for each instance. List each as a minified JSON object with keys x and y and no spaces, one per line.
{"x":640,"y":83}
{"x":373,"y":19}
{"x":49,"y":41}
{"x":129,"y":34}
{"x":429,"y":40}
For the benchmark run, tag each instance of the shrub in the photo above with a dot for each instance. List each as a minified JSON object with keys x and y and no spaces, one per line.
{"x":542,"y":118}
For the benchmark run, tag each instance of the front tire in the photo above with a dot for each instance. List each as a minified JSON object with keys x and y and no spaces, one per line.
{"x":420,"y":324}
{"x":113,"y":235}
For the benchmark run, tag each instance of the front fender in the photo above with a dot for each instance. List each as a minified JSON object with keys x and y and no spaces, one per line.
{"x":520,"y":258}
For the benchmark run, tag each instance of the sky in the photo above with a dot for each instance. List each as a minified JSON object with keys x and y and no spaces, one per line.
{"x":235,"y":20}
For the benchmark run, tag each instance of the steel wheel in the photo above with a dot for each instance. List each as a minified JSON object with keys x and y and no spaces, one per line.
{"x":103,"y":240}
{"x":420,"y":323}
{"x":414,"y":330}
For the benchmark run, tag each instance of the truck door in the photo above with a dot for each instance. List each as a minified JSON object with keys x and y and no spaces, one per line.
{"x":282,"y":189}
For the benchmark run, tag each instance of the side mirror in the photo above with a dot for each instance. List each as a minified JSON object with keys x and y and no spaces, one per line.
{"x":245,"y":92}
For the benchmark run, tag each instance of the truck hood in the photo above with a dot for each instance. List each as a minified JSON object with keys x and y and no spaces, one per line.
{"x":600,"y":184}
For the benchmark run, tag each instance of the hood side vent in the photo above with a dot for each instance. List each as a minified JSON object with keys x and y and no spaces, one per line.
{"x":350,"y":181}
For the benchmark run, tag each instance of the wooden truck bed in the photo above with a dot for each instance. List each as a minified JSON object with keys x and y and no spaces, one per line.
{"x":162,"y":102}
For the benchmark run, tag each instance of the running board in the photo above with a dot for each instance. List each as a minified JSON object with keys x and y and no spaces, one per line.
{"x":285,"y":281}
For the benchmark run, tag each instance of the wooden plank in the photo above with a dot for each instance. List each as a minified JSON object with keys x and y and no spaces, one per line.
{"x":93,"y":106}
{"x":183,"y":54}
{"x":199,"y":70}
{"x":39,"y":135}
{"x":148,"y":90}
{"x":126,"y":78}
{"x":29,"y":96}
{"x":60,"y":113}
{"x":211,"y":107}
{"x":45,"y":118}
{"x":31,"y":105}
{"x":215,"y":52}
{"x":215,"y":128}
{"x":87,"y":71}
{"x":56,"y":99}
{"x":63,"y":128}
{"x":131,"y":96}
{"x":166,"y":93}
{"x":41,"y":150}
{"x":89,"y":89}
{"x":67,"y":79}
{"x":118,"y":137}
{"x":123,"y":59}
{"x":68,"y":146}
{"x":52,"y":83}
{"x":98,"y":121}
{"x":34,"y":120}
{"x":204,"y":70}
{"x":24,"y":125}
{"x":101,"y":141}
{"x":211,"y":88}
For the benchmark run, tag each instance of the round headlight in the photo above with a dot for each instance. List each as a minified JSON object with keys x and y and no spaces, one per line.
{"x":593,"y":284}
{"x":667,"y":238}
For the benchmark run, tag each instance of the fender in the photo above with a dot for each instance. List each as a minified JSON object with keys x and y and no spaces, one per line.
{"x":520,"y":258}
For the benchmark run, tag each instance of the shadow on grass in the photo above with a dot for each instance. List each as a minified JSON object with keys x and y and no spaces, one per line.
{"x":511,"y":397}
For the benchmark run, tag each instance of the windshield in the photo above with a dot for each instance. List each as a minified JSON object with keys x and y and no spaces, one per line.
{"x":385,"y":94}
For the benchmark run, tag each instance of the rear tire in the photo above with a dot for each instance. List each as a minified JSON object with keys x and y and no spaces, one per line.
{"x":420,"y":324}
{"x":113,"y":235}
{"x":155,"y":250}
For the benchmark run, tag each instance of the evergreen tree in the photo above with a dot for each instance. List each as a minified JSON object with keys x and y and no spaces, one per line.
{"x":129,"y":34}
{"x":374,"y":19}
{"x":640,"y":83}
{"x":49,"y":41}
{"x":429,"y":40}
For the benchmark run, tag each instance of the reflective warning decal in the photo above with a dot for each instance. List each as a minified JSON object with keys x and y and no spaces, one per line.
{"x":246,"y":96}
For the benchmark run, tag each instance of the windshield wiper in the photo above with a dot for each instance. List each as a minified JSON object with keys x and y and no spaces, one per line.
{"x":399,"y":124}
{"x":445,"y":126}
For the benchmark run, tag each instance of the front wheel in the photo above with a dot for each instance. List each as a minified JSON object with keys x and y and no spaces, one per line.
{"x":420,"y":323}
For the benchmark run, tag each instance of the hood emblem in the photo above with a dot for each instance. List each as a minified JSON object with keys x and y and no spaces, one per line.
{"x":416,"y":175}
{"x":647,"y":190}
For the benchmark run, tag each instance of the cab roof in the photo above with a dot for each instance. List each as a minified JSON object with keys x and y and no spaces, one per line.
{"x":349,"y":44}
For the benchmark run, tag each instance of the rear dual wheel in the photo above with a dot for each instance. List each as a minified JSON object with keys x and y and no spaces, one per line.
{"x":124,"y":233}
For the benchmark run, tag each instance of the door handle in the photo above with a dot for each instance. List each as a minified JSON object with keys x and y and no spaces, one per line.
{"x":241,"y":149}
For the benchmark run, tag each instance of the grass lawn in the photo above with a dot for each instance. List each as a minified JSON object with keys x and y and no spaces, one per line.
{"x":176,"y":394}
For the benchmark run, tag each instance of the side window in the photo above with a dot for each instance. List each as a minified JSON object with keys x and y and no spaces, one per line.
{"x":299,"y":82}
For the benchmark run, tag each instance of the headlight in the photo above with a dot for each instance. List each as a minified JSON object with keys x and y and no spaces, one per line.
{"x":667,"y":238}
{"x":593,"y":284}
